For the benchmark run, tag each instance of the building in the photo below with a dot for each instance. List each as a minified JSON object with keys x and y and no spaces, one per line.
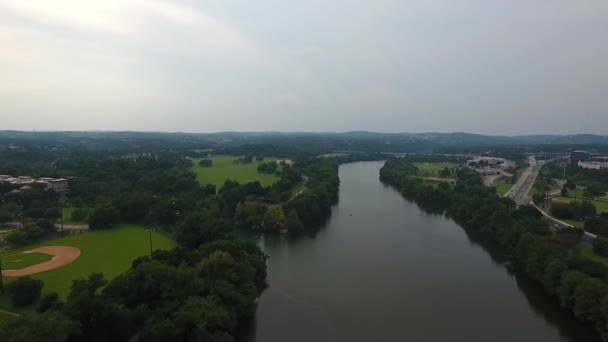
{"x":60,"y":186}
{"x":576,"y":156}
{"x":595,"y":165}
{"x":22,"y":183}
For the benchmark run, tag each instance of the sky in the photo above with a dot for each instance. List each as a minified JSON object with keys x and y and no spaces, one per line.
{"x":494,"y":67}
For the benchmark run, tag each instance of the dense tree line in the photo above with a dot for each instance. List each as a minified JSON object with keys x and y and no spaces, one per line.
{"x":178,"y":295}
{"x":573,"y":210}
{"x":577,"y":282}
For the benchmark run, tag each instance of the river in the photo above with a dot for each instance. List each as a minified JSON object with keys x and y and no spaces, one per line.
{"x":382,"y":269}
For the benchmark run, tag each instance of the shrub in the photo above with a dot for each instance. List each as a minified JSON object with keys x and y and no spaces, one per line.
{"x":25,"y":291}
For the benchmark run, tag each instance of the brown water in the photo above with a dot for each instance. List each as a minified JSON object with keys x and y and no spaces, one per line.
{"x":384,"y":270}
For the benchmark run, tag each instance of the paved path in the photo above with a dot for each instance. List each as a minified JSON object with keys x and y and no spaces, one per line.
{"x":10,"y":313}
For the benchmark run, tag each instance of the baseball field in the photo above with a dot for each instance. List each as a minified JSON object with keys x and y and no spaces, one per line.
{"x":59,"y":261}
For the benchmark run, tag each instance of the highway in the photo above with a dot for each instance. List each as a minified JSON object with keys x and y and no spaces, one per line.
{"x":519,"y":191}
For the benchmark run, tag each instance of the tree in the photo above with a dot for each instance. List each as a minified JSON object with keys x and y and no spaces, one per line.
{"x":25,"y":291}
{"x":104,"y":216}
{"x":553,"y":275}
{"x":600,"y":246}
{"x":5,"y":216}
{"x":274,"y":219}
{"x":294,"y":225}
{"x":49,"y":327}
{"x":565,"y":292}
{"x":49,"y":301}
{"x":587,"y":210}
{"x":249,"y":215}
{"x":80,"y":214}
{"x":205,"y":163}
{"x":570,"y":184}
{"x":445,"y":172}
{"x":200,"y":227}
{"x":587,"y":296}
{"x":564,"y":191}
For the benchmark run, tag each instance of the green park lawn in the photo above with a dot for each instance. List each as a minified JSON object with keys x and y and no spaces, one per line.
{"x":224,"y":169}
{"x":23,"y":260}
{"x":502,"y":187}
{"x":433,"y":168}
{"x":110,"y":252}
{"x":601,"y":207}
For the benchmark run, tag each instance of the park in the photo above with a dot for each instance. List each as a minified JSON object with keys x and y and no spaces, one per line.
{"x":59,"y":261}
{"x":225,"y":168}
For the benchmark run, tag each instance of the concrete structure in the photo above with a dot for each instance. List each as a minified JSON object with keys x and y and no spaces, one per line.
{"x":60,"y":186}
{"x":576,"y":156}
{"x":596,"y":165}
{"x":23,"y":183}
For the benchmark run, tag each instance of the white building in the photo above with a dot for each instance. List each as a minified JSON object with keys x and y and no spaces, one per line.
{"x":596,"y":165}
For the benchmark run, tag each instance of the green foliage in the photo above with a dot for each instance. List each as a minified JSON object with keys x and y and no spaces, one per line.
{"x":5,"y":216}
{"x":274,"y":219}
{"x":269,"y":168}
{"x":600,"y":246}
{"x":573,"y":210}
{"x":50,"y":327}
{"x":250,"y":215}
{"x":293,"y":224}
{"x":49,"y":302}
{"x":104,"y":216}
{"x":25,"y":291}
{"x":205,"y":163}
{"x":577,"y":280}
{"x":598,"y":225}
{"x":30,"y":233}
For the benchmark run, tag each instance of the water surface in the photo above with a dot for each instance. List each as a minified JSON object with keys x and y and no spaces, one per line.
{"x":382,"y":269}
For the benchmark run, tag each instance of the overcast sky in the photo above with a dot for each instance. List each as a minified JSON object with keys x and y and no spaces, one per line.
{"x":496,"y":67}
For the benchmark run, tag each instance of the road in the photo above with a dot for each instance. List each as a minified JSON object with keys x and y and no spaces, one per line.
{"x":519,"y":191}
{"x":559,"y":224}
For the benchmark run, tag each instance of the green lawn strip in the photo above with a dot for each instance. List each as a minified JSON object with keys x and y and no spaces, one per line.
{"x":433,"y":168}
{"x":436,"y":179}
{"x":224,"y":169}
{"x":502,"y":187}
{"x":587,"y":251}
{"x":600,"y":206}
{"x":23,"y":260}
{"x":578,"y":224}
{"x":110,"y":252}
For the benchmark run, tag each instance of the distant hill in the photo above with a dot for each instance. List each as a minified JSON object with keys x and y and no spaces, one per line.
{"x":312,"y":142}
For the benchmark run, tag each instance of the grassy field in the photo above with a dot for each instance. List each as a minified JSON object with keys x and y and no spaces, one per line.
{"x":108,"y":251}
{"x":502,"y":187}
{"x":601,"y":207}
{"x":433,"y":168}
{"x":22,"y":260}
{"x":224,"y":168}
